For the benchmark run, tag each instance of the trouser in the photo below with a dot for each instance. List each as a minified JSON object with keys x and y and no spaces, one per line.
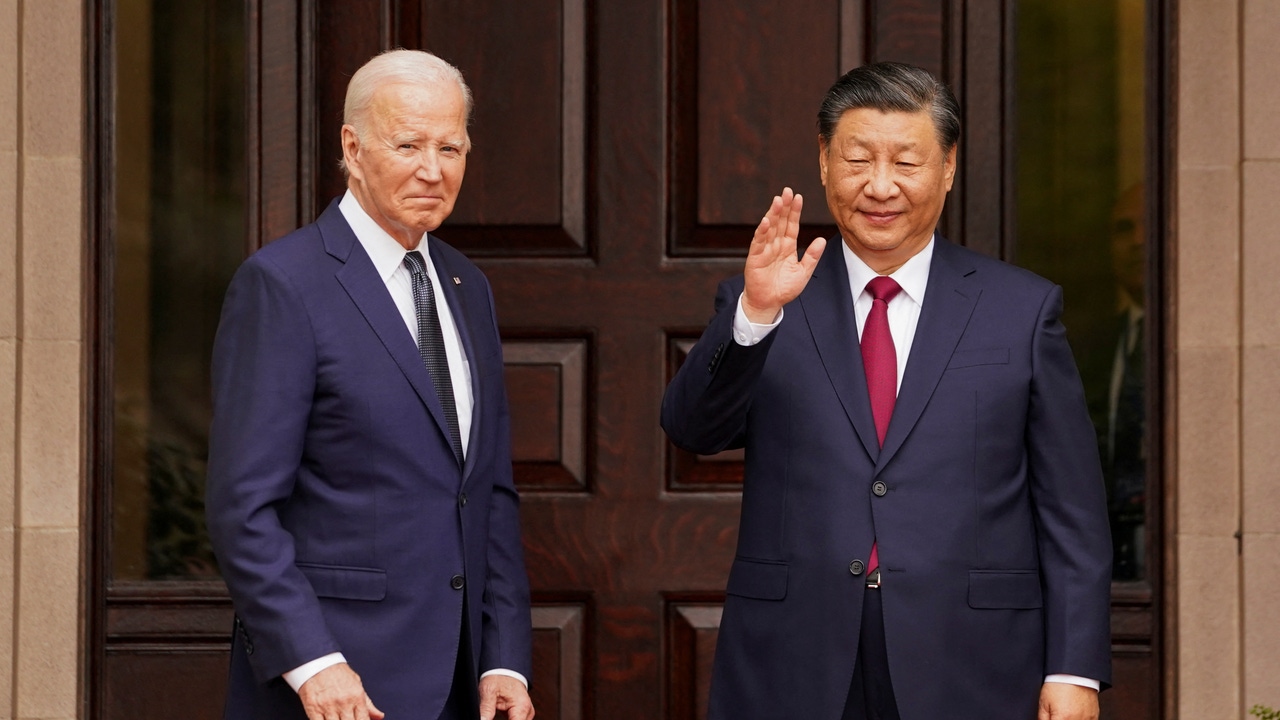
{"x":871,"y":692}
{"x":463,"y":703}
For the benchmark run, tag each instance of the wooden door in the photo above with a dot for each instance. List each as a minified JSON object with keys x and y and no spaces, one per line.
{"x":623,"y":152}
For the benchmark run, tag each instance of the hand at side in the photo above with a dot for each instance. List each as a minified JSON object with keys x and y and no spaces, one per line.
{"x":336,"y":693}
{"x":1064,"y":701}
{"x":503,"y":692}
{"x":774,"y":276}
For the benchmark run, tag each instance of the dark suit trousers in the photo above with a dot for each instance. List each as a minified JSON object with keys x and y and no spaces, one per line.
{"x":463,"y":703}
{"x":871,"y":692}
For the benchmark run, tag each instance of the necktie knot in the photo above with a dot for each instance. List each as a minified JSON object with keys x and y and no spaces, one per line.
{"x":883,"y":287}
{"x":413,"y":260}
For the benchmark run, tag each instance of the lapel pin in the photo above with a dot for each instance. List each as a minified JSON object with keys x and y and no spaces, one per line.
{"x":457,"y":280}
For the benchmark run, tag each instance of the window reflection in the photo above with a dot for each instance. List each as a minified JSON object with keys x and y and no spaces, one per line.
{"x":180,"y":219}
{"x":1080,"y":170}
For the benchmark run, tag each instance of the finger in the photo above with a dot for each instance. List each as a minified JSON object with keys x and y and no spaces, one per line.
{"x":777,"y":214}
{"x":523,"y":711}
{"x":488,"y":702}
{"x":811,"y":254}
{"x":374,"y":712}
{"x":793,"y":221}
{"x":761,"y":239}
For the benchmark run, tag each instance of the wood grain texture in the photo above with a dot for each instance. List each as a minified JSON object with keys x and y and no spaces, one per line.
{"x":621,"y":152}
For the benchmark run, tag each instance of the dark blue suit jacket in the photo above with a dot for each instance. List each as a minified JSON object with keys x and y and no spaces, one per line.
{"x":338,"y":513}
{"x":993,"y":533}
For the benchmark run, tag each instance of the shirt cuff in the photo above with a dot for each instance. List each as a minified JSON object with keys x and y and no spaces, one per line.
{"x":748,"y":333}
{"x":1074,"y":680}
{"x":508,"y":673}
{"x":299,"y":675}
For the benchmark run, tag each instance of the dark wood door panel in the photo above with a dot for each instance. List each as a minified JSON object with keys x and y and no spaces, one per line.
{"x":623,"y":152}
{"x":167,"y":680}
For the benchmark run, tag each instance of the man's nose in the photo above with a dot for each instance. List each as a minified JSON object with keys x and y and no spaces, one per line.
{"x":883,"y":182}
{"x":429,"y":165}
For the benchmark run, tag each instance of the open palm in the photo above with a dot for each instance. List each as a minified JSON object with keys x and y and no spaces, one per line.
{"x":774,"y":275}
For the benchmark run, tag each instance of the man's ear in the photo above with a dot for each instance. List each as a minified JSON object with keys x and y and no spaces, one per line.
{"x":822,"y":160}
{"x":949,"y":168}
{"x":351,"y":151}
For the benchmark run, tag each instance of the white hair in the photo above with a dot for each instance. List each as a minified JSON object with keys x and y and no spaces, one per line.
{"x":413,"y":67}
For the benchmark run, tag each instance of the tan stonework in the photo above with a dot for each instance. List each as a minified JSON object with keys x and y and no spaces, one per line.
{"x":1228,"y":377}
{"x":42,"y":257}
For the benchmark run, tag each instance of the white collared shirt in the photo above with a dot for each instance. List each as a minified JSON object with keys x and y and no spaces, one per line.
{"x":388,"y":259}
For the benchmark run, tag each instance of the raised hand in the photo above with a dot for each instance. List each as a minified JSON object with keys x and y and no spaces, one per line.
{"x":774,"y":276}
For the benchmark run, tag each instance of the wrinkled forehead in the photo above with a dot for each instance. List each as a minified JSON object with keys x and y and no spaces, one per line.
{"x":418,"y":102}
{"x":893,"y":130}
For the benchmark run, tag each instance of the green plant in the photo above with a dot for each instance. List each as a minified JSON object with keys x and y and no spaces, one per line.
{"x":1264,"y":713}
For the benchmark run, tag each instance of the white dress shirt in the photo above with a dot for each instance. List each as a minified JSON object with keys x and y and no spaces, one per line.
{"x":388,"y":259}
{"x":903,"y":316}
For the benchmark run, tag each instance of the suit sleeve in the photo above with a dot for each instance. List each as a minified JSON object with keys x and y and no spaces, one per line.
{"x":1069,"y":501}
{"x":264,"y":374}
{"x":507,"y":633}
{"x":705,"y":407}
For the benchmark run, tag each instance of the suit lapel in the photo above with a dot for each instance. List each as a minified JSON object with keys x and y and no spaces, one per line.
{"x":461,"y":311}
{"x":369,"y":293}
{"x":949,"y":302}
{"x":828,"y":309}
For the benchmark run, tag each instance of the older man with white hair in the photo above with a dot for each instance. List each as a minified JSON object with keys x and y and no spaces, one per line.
{"x":360,"y":497}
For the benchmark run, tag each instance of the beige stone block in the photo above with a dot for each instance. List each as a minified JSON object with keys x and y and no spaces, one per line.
{"x":52,"y":82}
{"x":1208,"y":94}
{"x":8,"y":81}
{"x":8,"y":432}
{"x":1208,"y":444}
{"x":48,"y":628}
{"x":1261,"y":252}
{"x":1208,"y":639}
{"x":1261,"y":619}
{"x":1208,"y":252}
{"x":49,"y":434}
{"x":1261,"y":95}
{"x":1261,"y":427}
{"x":8,"y":243}
{"x":7,"y":595}
{"x":52,"y":249}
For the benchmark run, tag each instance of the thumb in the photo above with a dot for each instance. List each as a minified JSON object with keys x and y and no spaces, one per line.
{"x":811,"y":254}
{"x":374,"y":712}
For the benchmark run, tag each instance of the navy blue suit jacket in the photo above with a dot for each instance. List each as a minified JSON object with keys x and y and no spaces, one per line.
{"x":338,"y":513}
{"x":993,"y":534}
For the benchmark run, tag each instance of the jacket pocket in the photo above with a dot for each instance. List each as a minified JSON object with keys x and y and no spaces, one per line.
{"x":979,"y":356}
{"x":759,"y":579}
{"x":346,"y":583}
{"x":1005,"y":589}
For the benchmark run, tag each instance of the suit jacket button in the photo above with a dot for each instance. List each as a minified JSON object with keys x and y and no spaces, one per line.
{"x":856,"y":567}
{"x":878,"y":488}
{"x":457,"y":582}
{"x":462,"y":499}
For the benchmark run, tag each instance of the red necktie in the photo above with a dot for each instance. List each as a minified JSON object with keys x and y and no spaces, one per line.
{"x":880,"y":361}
